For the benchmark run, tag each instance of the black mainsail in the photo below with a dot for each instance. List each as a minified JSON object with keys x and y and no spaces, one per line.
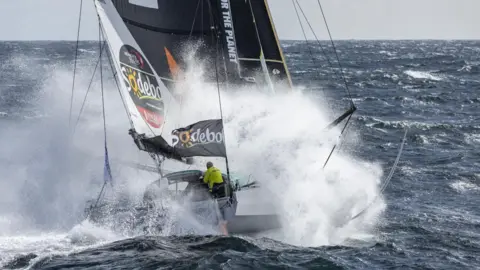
{"x":238,"y":45}
{"x":237,"y":33}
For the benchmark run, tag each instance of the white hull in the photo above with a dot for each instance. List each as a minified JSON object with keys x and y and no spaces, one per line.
{"x":252,"y":213}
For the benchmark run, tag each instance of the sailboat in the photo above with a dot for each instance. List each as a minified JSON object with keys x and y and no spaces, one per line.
{"x":145,"y":39}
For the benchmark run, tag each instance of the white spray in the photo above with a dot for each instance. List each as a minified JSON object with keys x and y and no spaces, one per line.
{"x":282,"y":141}
{"x":279,"y":139}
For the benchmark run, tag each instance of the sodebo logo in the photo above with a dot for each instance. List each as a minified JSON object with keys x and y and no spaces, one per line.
{"x":140,"y":83}
{"x":191,"y":138}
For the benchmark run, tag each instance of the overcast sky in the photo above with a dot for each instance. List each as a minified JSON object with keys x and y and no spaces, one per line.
{"x":348,"y":19}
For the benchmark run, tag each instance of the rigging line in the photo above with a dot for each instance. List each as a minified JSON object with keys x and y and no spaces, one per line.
{"x":333,"y":149}
{"x":116,"y":82}
{"x":215,"y":36}
{"x":336,"y":74}
{"x":194,"y":19}
{"x":386,"y":181}
{"x":100,"y":194}
{"x":102,"y":190}
{"x":113,"y":62}
{"x":190,"y":37}
{"x":318,"y":41}
{"x":101,"y":87}
{"x":120,"y":92}
{"x":304,"y":34}
{"x":308,"y":45}
{"x":106,"y":168}
{"x":336,"y":54}
{"x":88,"y":90}
{"x":118,"y":87}
{"x":114,"y":73}
{"x":75,"y":62}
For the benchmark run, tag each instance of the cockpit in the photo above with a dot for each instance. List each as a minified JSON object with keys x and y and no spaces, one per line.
{"x":187,"y":184}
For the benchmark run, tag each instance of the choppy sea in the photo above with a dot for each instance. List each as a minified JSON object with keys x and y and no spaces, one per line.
{"x":432,"y":215}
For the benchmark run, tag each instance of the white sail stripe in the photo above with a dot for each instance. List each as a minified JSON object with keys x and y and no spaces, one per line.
{"x":257,"y":59}
{"x":139,"y":70}
{"x":145,"y":3}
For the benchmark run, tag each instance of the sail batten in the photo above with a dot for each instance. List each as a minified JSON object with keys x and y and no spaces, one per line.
{"x":165,"y":30}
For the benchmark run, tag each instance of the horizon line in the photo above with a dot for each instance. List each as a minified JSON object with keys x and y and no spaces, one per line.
{"x":340,"y":39}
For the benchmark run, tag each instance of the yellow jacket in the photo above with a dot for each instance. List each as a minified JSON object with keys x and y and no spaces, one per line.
{"x":212,"y":176}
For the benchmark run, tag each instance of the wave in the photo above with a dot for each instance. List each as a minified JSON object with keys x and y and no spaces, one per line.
{"x":20,"y":251}
{"x":368,"y":99}
{"x":422,"y":75}
{"x":473,"y":139}
{"x":470,"y":67}
{"x":188,"y":252}
{"x":420,"y":139}
{"x":431,"y":99}
{"x":464,"y":186}
{"x":472,"y":100}
{"x":88,"y":51}
{"x":388,"y":53}
{"x":22,"y":116}
{"x":421,"y":99}
{"x":377,"y":123}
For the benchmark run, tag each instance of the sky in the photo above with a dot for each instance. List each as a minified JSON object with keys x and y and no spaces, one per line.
{"x":347,"y":19}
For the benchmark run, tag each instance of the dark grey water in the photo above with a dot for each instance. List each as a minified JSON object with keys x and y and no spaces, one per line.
{"x":432,"y":220}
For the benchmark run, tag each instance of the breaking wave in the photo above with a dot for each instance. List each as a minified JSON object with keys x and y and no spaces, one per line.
{"x":378,"y":123}
{"x":464,"y":186}
{"x":422,"y":75}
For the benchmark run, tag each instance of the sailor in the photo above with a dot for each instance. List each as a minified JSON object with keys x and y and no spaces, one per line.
{"x":212,"y":176}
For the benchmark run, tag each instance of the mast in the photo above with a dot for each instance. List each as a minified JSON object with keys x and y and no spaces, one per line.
{"x":225,"y":4}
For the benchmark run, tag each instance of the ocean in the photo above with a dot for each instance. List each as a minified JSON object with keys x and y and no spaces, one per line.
{"x":427,"y":218}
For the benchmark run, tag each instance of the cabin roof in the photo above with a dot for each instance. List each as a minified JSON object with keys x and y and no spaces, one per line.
{"x":183,"y":175}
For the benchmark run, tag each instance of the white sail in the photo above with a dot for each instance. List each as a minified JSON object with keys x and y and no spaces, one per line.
{"x":146,"y":97}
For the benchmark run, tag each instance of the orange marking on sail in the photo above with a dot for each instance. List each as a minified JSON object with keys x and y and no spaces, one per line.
{"x":172,"y":64}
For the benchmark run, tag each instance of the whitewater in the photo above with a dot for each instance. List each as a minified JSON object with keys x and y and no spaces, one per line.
{"x":280,"y":140}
